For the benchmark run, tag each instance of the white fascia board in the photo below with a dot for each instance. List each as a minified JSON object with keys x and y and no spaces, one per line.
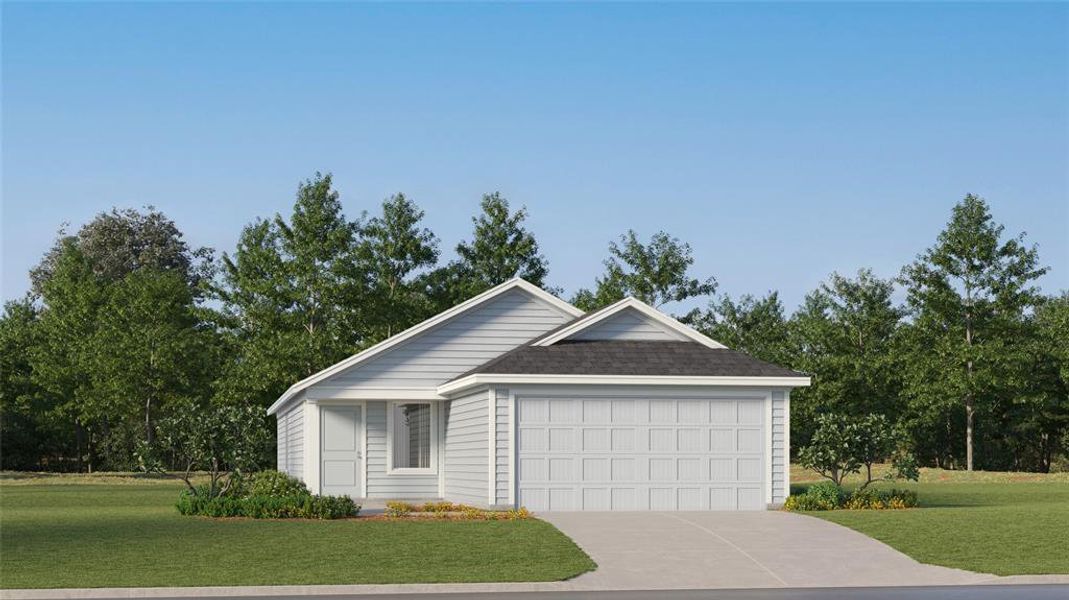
{"x":321,"y":393}
{"x":516,"y":283}
{"x":626,"y":303}
{"x":460,"y":385}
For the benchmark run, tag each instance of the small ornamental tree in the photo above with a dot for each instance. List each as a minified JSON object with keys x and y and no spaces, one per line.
{"x":225,"y":440}
{"x":843,"y":445}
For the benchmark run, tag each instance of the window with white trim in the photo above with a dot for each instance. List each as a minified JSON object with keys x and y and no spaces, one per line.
{"x":412,"y":425}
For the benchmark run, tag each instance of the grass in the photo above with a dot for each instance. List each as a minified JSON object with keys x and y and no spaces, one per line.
{"x":75,"y":534}
{"x":1000,"y":523}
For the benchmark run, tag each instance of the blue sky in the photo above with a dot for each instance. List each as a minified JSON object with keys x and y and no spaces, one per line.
{"x":783,"y":141}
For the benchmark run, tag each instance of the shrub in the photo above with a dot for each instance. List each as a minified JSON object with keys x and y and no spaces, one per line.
{"x":298,"y":506}
{"x":826,"y":493}
{"x":823,"y":497}
{"x":273,"y":483}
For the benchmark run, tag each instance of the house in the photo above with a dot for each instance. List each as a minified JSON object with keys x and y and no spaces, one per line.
{"x":517,"y":398}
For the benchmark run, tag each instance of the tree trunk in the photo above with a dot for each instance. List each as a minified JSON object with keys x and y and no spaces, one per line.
{"x":150,"y":434}
{"x":969,"y":410}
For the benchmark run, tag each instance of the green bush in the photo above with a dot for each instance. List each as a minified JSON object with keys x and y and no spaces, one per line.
{"x":298,"y":506}
{"x":274,"y":484}
{"x":826,"y":494}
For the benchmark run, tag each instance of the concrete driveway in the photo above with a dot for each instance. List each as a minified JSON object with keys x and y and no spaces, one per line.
{"x":701,"y":550}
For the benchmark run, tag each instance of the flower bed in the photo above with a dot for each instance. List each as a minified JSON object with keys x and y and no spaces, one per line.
{"x":451,"y":511}
{"x":828,"y":496}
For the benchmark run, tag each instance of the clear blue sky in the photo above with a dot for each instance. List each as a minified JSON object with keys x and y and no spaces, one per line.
{"x":783,"y":142}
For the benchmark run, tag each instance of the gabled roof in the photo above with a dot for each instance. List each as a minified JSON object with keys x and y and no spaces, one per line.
{"x":631,"y":357}
{"x":635,"y":362}
{"x":591,"y":319}
{"x":416,"y":330}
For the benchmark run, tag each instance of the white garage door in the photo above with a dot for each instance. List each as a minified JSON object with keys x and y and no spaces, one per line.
{"x":596,"y":453}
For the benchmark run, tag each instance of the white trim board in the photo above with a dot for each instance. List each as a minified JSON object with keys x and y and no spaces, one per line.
{"x":466,"y":383}
{"x":627,"y":303}
{"x":442,"y":317}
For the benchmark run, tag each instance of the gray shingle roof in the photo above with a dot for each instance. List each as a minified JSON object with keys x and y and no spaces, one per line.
{"x":627,"y":357}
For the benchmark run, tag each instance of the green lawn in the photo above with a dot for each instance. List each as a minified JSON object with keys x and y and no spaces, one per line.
{"x":1001,"y":523}
{"x":59,"y":534}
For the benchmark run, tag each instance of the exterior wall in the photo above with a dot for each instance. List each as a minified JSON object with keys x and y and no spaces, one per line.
{"x":455,"y":347}
{"x":381,"y":484}
{"x":291,"y":441}
{"x":629,"y":325}
{"x":779,"y":448}
{"x":467,"y":448}
{"x":501,"y":447}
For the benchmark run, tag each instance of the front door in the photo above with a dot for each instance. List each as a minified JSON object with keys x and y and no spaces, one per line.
{"x":342,"y":450}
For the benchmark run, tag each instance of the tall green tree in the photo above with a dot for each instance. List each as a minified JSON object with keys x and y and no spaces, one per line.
{"x":655,"y":273}
{"x":501,"y":248}
{"x":79,"y":285}
{"x":27,"y":435}
{"x":966,"y":295}
{"x":845,"y":334}
{"x":756,"y":326}
{"x":294,"y":295}
{"x":1036,"y":420}
{"x":395,"y":251}
{"x":150,"y":348}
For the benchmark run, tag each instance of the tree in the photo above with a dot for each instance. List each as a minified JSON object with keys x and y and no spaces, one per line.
{"x":845,"y":334}
{"x":150,"y":347}
{"x":294,"y":295}
{"x":654,"y":273}
{"x":756,"y":326}
{"x":394,"y":250}
{"x":226,"y":440}
{"x":843,"y":445}
{"x":1037,"y":419}
{"x":82,"y":285}
{"x":26,"y":433}
{"x":60,"y":359}
{"x":501,"y":249}
{"x":123,"y":241}
{"x":965,"y":295}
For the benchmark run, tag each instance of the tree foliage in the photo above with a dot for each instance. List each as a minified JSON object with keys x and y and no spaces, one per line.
{"x":655,"y":273}
{"x":501,"y":248}
{"x":294,"y":295}
{"x":845,"y":333}
{"x":843,"y":445}
{"x":967,"y":296}
{"x":134,"y":346}
{"x":756,"y":326}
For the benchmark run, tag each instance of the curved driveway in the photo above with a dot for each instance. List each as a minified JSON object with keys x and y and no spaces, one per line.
{"x":701,"y":550}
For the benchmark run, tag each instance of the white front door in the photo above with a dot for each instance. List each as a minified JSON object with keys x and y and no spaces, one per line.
{"x":646,"y":453}
{"x":342,"y":450}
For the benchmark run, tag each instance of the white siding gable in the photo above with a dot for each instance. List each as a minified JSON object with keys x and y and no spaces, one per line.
{"x":629,"y":324}
{"x":454,"y":347}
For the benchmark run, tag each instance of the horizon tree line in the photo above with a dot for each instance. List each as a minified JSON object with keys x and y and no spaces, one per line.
{"x":125,"y":324}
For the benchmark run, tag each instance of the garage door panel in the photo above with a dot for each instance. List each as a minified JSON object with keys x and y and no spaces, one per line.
{"x":608,"y":453}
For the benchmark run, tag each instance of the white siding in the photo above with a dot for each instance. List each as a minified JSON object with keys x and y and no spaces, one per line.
{"x":501,"y":458}
{"x":381,"y":484}
{"x":456,"y":346}
{"x":779,"y":448}
{"x":629,"y":324}
{"x":467,"y":460}
{"x":290,"y":457}
{"x":281,"y":440}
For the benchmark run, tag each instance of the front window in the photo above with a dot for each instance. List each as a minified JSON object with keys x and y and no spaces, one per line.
{"x":411,"y":435}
